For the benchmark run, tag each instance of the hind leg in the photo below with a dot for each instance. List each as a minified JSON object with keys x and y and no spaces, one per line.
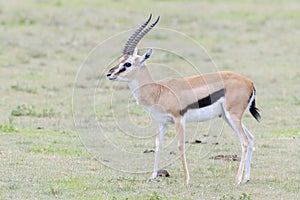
{"x":234,"y":122}
{"x":249,"y":154}
{"x":180,"y":129}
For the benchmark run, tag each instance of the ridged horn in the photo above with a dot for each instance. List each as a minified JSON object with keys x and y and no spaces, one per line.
{"x":138,"y":37}
{"x":136,"y":32}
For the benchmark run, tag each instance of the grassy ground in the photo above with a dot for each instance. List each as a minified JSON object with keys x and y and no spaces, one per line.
{"x":42,"y":46}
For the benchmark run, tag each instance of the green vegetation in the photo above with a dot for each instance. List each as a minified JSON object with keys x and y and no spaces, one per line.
{"x":24,"y":89}
{"x":8,"y":128}
{"x":23,"y":110}
{"x":289,"y":133}
{"x":243,"y":196}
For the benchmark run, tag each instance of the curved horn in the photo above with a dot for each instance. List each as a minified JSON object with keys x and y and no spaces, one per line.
{"x":136,"y":40}
{"x":137,"y":31}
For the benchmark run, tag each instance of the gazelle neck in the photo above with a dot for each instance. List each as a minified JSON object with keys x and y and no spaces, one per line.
{"x":138,"y":84}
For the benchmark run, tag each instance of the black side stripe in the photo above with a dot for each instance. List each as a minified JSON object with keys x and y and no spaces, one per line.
{"x":206,"y":101}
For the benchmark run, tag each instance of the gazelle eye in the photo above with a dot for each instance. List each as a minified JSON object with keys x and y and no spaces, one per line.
{"x":127,"y":64}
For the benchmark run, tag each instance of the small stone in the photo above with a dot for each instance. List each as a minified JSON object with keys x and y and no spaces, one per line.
{"x":149,"y":151}
{"x":163,"y":172}
{"x":196,"y":142}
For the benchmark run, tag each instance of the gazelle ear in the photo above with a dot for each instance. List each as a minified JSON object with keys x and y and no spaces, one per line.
{"x":135,"y":51}
{"x":144,"y":57}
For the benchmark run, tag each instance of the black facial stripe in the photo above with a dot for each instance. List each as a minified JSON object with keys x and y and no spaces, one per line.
{"x":122,"y":70}
{"x":206,"y":101}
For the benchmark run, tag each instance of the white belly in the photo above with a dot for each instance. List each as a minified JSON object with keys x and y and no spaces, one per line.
{"x":158,"y":115}
{"x":205,"y":113}
{"x":192,"y":115}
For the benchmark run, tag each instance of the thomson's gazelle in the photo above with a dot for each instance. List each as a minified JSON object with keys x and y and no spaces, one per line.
{"x":196,"y":98}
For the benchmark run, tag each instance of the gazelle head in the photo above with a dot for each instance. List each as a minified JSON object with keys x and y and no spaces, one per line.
{"x":130,"y":62}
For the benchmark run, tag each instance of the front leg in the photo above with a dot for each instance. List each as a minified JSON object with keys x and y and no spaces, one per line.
{"x":180,"y":129}
{"x":158,"y":144}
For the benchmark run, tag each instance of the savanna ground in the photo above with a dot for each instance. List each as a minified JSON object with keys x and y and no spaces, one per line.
{"x":43,"y":44}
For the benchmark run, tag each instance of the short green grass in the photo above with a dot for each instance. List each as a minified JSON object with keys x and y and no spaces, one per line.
{"x":42,"y":45}
{"x":24,"y":110}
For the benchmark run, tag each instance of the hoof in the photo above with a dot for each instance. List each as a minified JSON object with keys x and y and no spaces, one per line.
{"x":246,"y":181}
{"x":186,"y":181}
{"x":237,"y":183}
{"x":153,"y":176}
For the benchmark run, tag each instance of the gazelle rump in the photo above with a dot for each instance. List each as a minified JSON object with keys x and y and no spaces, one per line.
{"x":197,"y":98}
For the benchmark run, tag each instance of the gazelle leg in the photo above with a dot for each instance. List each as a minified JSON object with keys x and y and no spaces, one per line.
{"x":180,"y":129}
{"x":249,"y":154}
{"x":158,"y":144}
{"x":236,"y":125}
{"x":244,"y":152}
